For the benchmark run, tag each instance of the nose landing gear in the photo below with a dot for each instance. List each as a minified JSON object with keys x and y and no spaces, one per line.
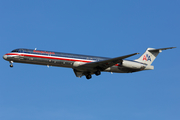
{"x":11,"y":64}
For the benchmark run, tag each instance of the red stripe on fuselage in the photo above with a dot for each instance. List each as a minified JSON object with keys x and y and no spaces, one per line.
{"x":48,"y":57}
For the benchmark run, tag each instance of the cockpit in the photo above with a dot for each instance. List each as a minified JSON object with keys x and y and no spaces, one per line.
{"x":16,"y":50}
{"x":19,"y":50}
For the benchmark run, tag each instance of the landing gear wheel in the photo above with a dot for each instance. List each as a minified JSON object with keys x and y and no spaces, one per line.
{"x":11,"y":65}
{"x":88,"y":76}
{"x":97,"y":73}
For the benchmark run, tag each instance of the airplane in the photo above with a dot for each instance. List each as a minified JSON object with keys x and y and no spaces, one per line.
{"x":84,"y":65}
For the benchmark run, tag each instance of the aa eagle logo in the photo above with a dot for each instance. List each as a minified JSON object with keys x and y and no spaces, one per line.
{"x":146,"y":57}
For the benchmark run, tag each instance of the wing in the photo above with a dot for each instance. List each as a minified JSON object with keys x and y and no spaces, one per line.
{"x":100,"y":65}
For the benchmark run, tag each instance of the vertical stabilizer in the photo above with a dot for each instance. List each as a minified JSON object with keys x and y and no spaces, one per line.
{"x":150,"y":55}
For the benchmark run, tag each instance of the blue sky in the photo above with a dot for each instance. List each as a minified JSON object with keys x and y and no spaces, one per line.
{"x":90,"y":27}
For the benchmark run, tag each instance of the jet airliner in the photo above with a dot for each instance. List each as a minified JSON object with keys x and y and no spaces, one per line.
{"x":84,"y":65}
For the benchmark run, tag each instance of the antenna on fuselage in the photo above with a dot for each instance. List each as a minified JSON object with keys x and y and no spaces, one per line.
{"x":35,"y":49}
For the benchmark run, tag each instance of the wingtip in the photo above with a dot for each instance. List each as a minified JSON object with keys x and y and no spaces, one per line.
{"x":171,"y":47}
{"x":135,"y":53}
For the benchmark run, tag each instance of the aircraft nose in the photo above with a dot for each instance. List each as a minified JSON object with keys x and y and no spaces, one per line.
{"x":5,"y":57}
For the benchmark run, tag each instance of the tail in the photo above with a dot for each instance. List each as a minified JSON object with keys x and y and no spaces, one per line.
{"x":150,"y":55}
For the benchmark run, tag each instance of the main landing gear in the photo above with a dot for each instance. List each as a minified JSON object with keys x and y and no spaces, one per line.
{"x":11,"y":64}
{"x":89,"y":76}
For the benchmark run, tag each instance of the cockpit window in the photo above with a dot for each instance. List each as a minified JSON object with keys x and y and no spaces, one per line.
{"x":15,"y":50}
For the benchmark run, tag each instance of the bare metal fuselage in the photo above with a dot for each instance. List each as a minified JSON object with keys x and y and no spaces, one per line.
{"x":64,"y":60}
{"x":84,"y":65}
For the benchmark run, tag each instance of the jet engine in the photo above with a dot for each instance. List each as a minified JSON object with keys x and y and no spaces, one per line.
{"x":76,"y":64}
{"x":132,"y":65}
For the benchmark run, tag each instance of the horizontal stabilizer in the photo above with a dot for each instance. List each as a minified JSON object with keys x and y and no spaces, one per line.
{"x":155,"y":50}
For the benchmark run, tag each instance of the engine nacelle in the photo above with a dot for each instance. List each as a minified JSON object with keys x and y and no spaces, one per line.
{"x":132,"y":65}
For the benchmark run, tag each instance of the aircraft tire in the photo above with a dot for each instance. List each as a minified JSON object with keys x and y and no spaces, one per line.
{"x":88,"y":76}
{"x":97,"y":73}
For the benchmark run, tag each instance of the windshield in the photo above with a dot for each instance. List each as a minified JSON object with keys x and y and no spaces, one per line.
{"x":16,"y":50}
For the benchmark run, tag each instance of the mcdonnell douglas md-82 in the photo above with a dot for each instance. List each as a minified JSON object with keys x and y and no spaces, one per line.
{"x":84,"y":65}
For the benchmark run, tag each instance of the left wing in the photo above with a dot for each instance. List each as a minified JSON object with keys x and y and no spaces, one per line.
{"x":100,"y":65}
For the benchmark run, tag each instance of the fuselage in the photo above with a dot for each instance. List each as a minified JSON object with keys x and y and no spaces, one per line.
{"x":85,"y":65}
{"x":59,"y":59}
